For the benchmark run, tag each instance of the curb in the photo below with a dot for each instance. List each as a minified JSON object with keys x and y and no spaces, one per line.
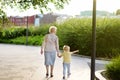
{"x":99,"y":76}
{"x":89,"y":57}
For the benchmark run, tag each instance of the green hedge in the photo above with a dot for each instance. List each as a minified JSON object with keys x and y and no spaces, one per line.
{"x":32,"y":40}
{"x":13,"y":32}
{"x":113,"y":69}
{"x":108,"y":40}
{"x":42,"y":30}
{"x":76,"y":33}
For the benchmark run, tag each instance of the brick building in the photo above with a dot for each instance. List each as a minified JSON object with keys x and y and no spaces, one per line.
{"x":34,"y":19}
{"x":21,"y":21}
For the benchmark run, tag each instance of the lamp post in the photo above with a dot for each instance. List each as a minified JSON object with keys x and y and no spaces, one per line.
{"x":27,"y":32}
{"x":93,"y":55}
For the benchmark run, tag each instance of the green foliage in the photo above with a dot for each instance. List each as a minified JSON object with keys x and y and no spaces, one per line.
{"x":17,"y":35}
{"x":2,"y":13}
{"x":113,"y":69}
{"x":118,"y":12}
{"x":3,"y":19}
{"x":76,"y":33}
{"x":32,"y":40}
{"x":9,"y":33}
{"x":36,"y":4}
{"x":0,"y":32}
{"x":42,"y":30}
{"x":13,"y":32}
{"x":108,"y":40}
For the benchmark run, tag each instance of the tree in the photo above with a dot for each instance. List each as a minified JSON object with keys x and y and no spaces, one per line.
{"x":118,"y":12}
{"x":36,"y":4}
{"x":3,"y":18}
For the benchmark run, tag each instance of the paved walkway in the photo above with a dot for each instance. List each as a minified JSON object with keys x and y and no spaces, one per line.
{"x":19,"y":62}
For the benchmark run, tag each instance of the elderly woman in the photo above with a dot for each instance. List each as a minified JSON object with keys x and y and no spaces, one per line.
{"x":50,"y":47}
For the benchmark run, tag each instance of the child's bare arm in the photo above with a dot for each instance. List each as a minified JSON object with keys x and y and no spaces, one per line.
{"x":75,"y":51}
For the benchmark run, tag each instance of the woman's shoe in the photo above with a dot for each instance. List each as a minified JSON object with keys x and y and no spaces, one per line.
{"x":47,"y":75}
{"x":63,"y":77}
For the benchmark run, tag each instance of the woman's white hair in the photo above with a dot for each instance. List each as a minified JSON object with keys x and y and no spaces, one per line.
{"x":52,"y":27}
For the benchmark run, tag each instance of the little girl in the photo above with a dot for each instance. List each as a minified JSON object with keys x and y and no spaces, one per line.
{"x":66,"y":60}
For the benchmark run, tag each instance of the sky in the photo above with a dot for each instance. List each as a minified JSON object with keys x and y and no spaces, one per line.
{"x":75,"y":7}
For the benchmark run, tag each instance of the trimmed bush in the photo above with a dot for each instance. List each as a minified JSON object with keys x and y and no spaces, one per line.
{"x":113,"y":69}
{"x":42,"y":30}
{"x":76,"y":33}
{"x":32,"y":40}
{"x":107,"y":35}
{"x":10,"y":33}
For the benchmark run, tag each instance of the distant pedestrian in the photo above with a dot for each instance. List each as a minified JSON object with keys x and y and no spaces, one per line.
{"x":66,"y":60}
{"x":50,"y":47}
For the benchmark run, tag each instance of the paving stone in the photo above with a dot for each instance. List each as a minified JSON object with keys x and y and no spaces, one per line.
{"x":19,"y":62}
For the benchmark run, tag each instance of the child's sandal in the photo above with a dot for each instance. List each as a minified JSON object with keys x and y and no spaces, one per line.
{"x":51,"y":75}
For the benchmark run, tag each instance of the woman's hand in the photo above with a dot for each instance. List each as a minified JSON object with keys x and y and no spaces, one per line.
{"x":58,"y":54}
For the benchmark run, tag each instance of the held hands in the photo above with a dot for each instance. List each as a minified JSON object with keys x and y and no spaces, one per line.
{"x":58,"y":54}
{"x":41,"y":52}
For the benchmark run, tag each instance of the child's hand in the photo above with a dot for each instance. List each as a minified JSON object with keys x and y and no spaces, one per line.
{"x":77,"y":50}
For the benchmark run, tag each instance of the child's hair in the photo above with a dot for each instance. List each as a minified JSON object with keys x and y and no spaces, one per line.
{"x":52,"y":27}
{"x":66,"y":46}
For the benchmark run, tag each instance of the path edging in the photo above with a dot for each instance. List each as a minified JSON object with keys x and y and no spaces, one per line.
{"x":99,"y":76}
